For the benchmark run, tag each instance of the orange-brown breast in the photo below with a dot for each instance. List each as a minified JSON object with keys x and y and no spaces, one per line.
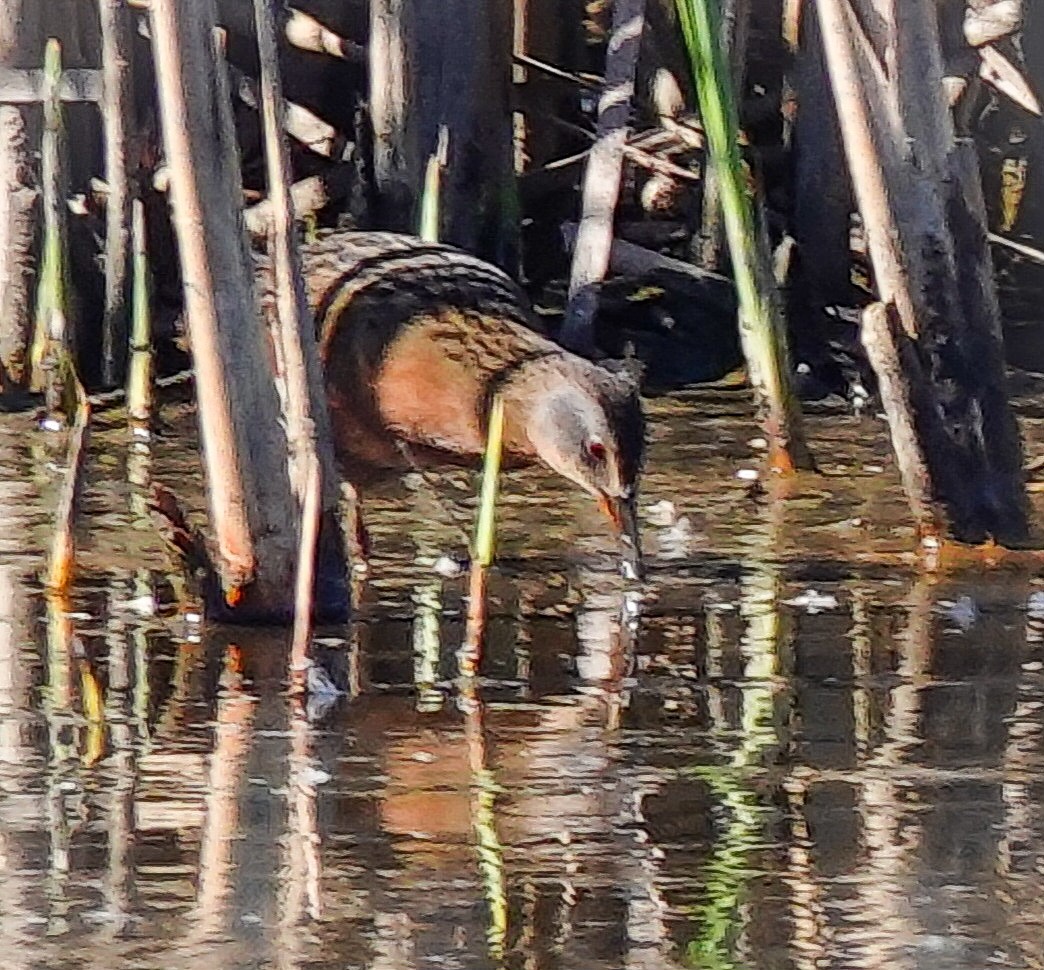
{"x":428,"y":396}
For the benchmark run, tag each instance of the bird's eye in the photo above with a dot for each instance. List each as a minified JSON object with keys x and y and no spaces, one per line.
{"x":596,"y":451}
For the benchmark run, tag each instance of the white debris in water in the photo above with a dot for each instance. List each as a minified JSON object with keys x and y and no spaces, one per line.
{"x":143,"y":433}
{"x":662,"y":513}
{"x":315,"y":776}
{"x":632,"y":604}
{"x":719,"y":606}
{"x":424,"y":757}
{"x":193,"y":618}
{"x":141,"y":605}
{"x":961,"y":611}
{"x":748,"y":474}
{"x":1035,"y":605}
{"x":50,"y":424}
{"x":447,"y":567}
{"x":320,"y":684}
{"x":812,"y":601}
{"x":873,"y":469}
{"x":758,"y":444}
{"x":677,"y":539}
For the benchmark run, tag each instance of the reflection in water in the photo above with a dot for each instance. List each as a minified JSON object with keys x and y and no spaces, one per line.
{"x":483,"y":818}
{"x":779,"y":754}
{"x":225,"y":778}
{"x":722,"y":922}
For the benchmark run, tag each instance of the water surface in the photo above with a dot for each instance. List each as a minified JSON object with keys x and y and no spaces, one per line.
{"x":786,"y":749}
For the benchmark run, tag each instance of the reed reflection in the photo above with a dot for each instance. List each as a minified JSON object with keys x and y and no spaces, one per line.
{"x":21,"y":807}
{"x":752,"y":741}
{"x":236,"y":710}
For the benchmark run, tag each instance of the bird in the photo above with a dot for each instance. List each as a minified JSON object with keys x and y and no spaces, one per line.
{"x":417,"y":338}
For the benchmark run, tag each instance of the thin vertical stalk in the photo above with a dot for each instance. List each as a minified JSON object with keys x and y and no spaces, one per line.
{"x":735,"y":27}
{"x":427,"y":646}
{"x":21,"y":46}
{"x":114,"y":18}
{"x":484,"y":822}
{"x":762,"y":331}
{"x":485,"y":540}
{"x":51,"y":337}
{"x":430,"y":210}
{"x":602,"y":176}
{"x":312,"y":470}
{"x":485,"y":529}
{"x":184,"y":59}
{"x":63,"y":545}
{"x":139,"y":377}
{"x":53,"y":367}
{"x":303,"y":594}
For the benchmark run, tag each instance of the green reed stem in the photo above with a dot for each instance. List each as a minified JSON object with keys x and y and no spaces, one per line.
{"x":761,"y":325}
{"x":470,"y":654}
{"x":485,"y":527}
{"x":139,"y":378}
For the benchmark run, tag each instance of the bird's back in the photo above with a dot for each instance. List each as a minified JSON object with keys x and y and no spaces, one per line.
{"x":415,"y":337}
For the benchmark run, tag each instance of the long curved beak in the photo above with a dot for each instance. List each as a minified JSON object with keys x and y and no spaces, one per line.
{"x":623,"y":513}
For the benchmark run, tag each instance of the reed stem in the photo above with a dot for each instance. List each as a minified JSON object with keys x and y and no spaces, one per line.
{"x":50,"y":336}
{"x":762,"y":332}
{"x":430,"y":207}
{"x":484,"y":543}
{"x":139,"y":378}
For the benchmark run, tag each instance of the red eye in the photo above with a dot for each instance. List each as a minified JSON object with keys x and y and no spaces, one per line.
{"x":596,"y":450}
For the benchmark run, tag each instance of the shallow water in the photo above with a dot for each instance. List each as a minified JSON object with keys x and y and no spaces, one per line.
{"x":784,"y":750}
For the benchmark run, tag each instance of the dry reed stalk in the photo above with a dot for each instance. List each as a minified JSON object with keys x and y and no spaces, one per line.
{"x":139,"y":377}
{"x":304,"y":607}
{"x":117,"y":120}
{"x":312,"y":469}
{"x":51,"y":337}
{"x":62,"y":559}
{"x":882,"y":343}
{"x":175,"y":39}
{"x":602,"y":176}
{"x":21,"y":43}
{"x":254,"y":497}
{"x":920,"y":199}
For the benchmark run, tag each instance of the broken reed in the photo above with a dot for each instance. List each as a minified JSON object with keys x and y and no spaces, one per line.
{"x":762,"y":332}
{"x":428,"y":223}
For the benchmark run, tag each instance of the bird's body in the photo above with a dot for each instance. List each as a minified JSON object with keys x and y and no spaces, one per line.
{"x":417,"y":338}
{"x":419,"y":392}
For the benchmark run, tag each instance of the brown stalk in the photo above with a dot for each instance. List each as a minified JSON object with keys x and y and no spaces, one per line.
{"x":602,"y":176}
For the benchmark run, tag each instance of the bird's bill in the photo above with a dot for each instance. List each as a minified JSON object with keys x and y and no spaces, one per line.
{"x":623,"y":513}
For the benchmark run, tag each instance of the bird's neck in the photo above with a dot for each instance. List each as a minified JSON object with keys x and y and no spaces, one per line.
{"x":524,"y":389}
